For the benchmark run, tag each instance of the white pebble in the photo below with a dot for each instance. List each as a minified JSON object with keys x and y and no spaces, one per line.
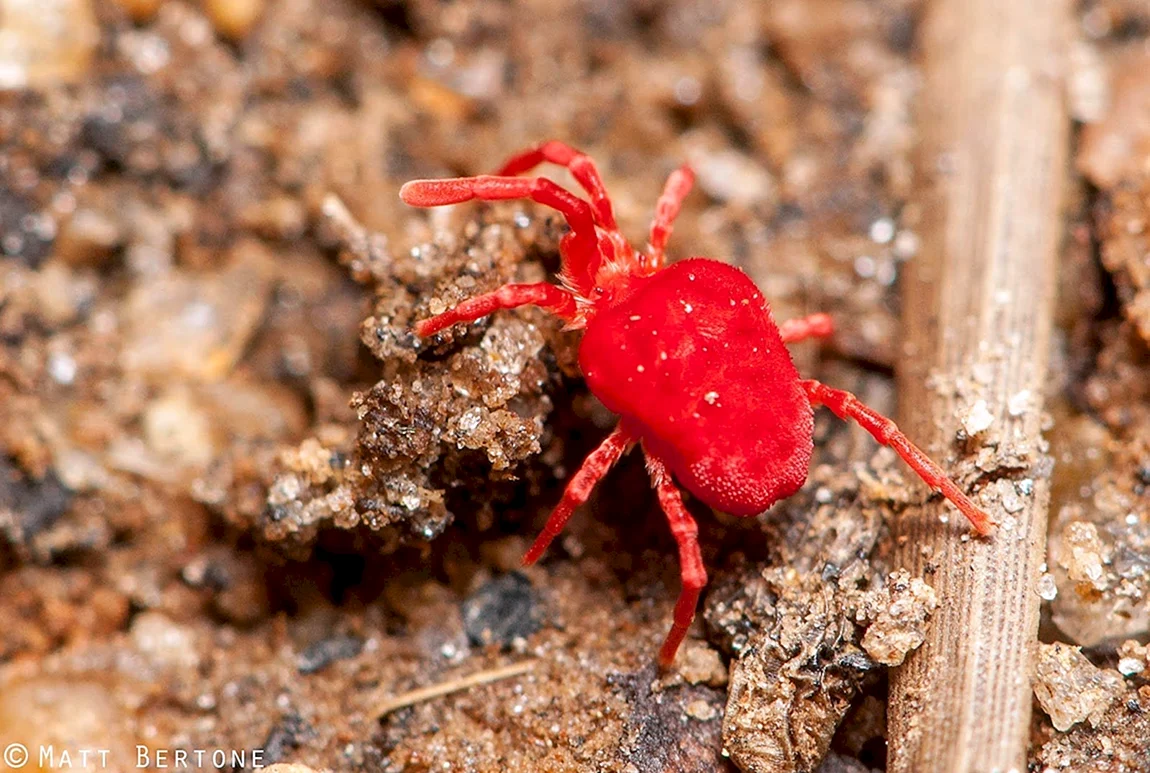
{"x":1018,"y":403}
{"x":1130,"y":666}
{"x":978,"y":419}
{"x":62,"y":367}
{"x":882,"y":230}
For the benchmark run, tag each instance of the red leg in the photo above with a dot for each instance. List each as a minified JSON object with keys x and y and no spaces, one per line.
{"x":595,"y":466}
{"x":814,"y":326}
{"x":847,"y":406}
{"x":582,"y":168}
{"x":583,"y":252}
{"x":554,"y":299}
{"x":694,"y":575}
{"x":677,"y":187}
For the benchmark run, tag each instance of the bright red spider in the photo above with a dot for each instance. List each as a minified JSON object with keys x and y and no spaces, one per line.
{"x":688,"y":356}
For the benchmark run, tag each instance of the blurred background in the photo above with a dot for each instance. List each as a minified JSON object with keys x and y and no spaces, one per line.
{"x":242,"y":506}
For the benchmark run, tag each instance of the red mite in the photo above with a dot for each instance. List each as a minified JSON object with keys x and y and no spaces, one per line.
{"x":687,"y":355}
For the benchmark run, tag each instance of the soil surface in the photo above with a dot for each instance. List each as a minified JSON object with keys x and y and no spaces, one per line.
{"x":245,"y":510}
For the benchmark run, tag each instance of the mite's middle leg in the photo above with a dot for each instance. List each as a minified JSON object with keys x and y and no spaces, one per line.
{"x":815,"y":326}
{"x":846,"y":406}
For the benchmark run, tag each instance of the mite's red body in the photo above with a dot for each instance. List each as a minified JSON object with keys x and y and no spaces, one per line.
{"x":697,"y":369}
{"x":688,"y":356}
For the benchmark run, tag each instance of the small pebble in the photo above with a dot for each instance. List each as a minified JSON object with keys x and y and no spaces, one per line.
{"x":1083,"y":554}
{"x":1130,"y":666}
{"x":62,"y":367}
{"x":882,"y":230}
{"x":140,"y":11}
{"x":165,"y":643}
{"x":978,"y":419}
{"x":505,"y":609}
{"x":234,"y":19}
{"x":44,"y":43}
{"x":324,"y":652}
{"x":906,"y":245}
{"x":1070,"y":688}
{"x":74,"y":712}
{"x":898,"y":613}
{"x":1018,"y":403}
{"x":701,"y":710}
{"x":1046,"y":587}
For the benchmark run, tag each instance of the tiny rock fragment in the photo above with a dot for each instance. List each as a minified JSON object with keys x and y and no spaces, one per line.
{"x":900,"y":611}
{"x":29,"y":506}
{"x":1131,"y":666}
{"x":88,"y":238}
{"x":1098,"y":575}
{"x":140,"y":10}
{"x":701,"y":710}
{"x":68,"y":713}
{"x":733,"y":177}
{"x":978,"y":419}
{"x":1019,"y":402}
{"x":505,"y":609}
{"x":699,"y":664}
{"x":1070,"y":688}
{"x":164,"y":643}
{"x":289,"y":733}
{"x":324,"y":652}
{"x":178,"y":430}
{"x":1133,"y":658}
{"x":61,"y":294}
{"x":197,"y":325}
{"x":1046,"y":587}
{"x":1111,"y":147}
{"x":234,"y":19}
{"x":44,"y":43}
{"x":1008,"y":496}
{"x":1083,"y":554}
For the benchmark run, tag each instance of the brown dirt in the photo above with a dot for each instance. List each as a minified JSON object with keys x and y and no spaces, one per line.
{"x":242,"y":505}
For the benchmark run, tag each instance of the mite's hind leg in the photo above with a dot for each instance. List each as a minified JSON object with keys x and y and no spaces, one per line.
{"x":847,"y":406}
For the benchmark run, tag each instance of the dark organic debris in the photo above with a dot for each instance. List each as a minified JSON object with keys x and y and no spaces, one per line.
{"x":19,"y":235}
{"x":287,"y":734}
{"x":675,"y":730}
{"x":29,"y":506}
{"x":324,"y":652}
{"x":501,"y":611}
